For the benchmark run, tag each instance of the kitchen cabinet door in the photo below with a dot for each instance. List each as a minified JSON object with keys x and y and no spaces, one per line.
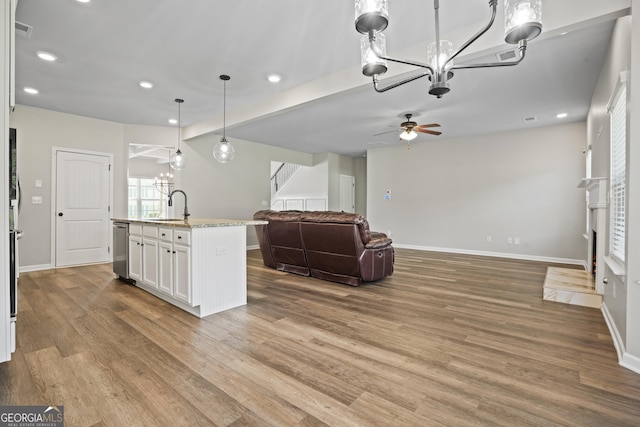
{"x":165,"y":268}
{"x":182,"y":273}
{"x":150,"y":262}
{"x":135,"y":257}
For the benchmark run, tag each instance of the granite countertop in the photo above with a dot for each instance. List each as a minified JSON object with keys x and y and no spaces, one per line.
{"x":192,"y":222}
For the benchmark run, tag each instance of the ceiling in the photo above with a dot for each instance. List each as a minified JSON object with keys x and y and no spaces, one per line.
{"x":323,"y":103}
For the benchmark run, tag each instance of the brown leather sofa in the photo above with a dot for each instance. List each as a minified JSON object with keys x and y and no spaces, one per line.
{"x":336,"y":246}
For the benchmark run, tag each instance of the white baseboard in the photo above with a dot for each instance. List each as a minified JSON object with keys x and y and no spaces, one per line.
{"x":631,"y":362}
{"x":28,"y":268}
{"x":625,"y":359}
{"x":493,"y":254}
{"x":252,"y":247}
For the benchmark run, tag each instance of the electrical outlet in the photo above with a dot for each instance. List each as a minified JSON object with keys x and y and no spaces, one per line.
{"x":510,"y":240}
{"x":489,"y":238}
{"x":516,"y":240}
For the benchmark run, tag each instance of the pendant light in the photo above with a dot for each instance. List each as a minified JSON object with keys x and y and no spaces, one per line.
{"x":178,"y":160}
{"x":224,"y":151}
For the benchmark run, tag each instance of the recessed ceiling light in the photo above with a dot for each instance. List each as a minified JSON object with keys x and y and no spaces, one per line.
{"x":274,"y":78}
{"x":145,"y":84}
{"x":31,"y":90}
{"x":562,"y":115}
{"x":46,"y":56}
{"x":173,"y":121}
{"x":83,"y":1}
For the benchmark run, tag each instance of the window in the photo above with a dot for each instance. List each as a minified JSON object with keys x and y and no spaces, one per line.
{"x":618,"y":118}
{"x":145,"y":201}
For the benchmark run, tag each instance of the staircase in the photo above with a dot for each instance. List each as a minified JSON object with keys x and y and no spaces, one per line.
{"x":281,"y":176}
{"x":571,"y":286}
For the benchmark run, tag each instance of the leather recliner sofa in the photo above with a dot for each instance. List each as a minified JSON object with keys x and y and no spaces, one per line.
{"x":336,"y":246}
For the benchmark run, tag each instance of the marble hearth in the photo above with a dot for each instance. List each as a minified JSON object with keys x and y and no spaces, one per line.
{"x":571,"y":286}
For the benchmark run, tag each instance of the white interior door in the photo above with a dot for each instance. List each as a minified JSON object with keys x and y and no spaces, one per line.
{"x":347,"y":193}
{"x":82,"y":208}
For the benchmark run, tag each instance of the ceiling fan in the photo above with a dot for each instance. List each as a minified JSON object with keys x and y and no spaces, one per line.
{"x":410,"y":128}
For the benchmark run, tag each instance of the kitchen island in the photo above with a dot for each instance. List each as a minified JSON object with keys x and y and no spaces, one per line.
{"x":198,"y":265}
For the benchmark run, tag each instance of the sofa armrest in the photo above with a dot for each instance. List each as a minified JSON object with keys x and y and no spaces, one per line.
{"x":378,"y":241}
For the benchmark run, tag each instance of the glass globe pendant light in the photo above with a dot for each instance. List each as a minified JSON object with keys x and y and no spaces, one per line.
{"x":224,"y":151}
{"x":178,"y":161}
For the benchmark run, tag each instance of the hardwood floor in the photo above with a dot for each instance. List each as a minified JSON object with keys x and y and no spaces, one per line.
{"x":448,"y":340}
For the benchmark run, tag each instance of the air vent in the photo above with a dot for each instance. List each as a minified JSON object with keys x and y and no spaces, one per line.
{"x":507,"y":56}
{"x":23,"y":30}
{"x":530,"y":119}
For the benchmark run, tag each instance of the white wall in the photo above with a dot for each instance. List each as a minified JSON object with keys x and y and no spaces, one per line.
{"x":618,"y":59}
{"x":631,"y":357}
{"x":233,"y":190}
{"x":451,"y":194}
{"x":38,"y":131}
{"x":621,"y":293}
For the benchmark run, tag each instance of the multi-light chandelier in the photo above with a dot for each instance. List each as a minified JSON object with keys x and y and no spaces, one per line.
{"x":164,"y":184}
{"x":522,"y":23}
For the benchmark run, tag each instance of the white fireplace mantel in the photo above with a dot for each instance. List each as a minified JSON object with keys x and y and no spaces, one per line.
{"x":597,"y":203}
{"x":596,"y":191}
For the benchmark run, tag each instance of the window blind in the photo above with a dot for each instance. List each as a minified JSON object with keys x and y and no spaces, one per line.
{"x":618,"y":118}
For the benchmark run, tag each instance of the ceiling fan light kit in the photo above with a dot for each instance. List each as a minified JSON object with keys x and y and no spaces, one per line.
{"x":410,"y":128}
{"x":523,"y":22}
{"x":408,"y":135}
{"x":223,"y":150}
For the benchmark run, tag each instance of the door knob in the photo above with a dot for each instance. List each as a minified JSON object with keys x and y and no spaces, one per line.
{"x":60,"y":214}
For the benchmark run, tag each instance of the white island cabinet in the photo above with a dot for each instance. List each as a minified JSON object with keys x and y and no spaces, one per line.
{"x":199,"y":265}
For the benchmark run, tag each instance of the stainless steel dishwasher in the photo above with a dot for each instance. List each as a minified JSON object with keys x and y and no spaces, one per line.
{"x":121,"y":251}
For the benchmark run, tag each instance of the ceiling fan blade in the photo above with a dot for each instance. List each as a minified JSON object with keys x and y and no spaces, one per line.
{"x":431,"y":132}
{"x":384,"y":133}
{"x":432,"y":125}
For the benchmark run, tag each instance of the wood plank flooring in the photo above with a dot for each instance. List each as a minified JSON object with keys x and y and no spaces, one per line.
{"x":448,"y":340}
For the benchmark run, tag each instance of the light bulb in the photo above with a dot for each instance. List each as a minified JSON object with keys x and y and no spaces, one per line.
{"x":524,"y":13}
{"x":223,"y":151}
{"x":178,"y":161}
{"x":437,"y":61}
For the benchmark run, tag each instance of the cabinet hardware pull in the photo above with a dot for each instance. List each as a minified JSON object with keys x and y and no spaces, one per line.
{"x":179,"y":237}
{"x":174,"y":252}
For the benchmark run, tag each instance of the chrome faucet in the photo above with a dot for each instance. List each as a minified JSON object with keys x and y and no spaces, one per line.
{"x":186,"y":210}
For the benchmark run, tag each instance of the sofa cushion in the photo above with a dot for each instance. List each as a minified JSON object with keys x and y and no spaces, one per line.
{"x":340,"y":218}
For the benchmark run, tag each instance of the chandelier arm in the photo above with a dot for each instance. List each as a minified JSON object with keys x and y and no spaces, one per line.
{"x":493,"y":4}
{"x":522,"y":48}
{"x":374,"y":49}
{"x":396,"y":84}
